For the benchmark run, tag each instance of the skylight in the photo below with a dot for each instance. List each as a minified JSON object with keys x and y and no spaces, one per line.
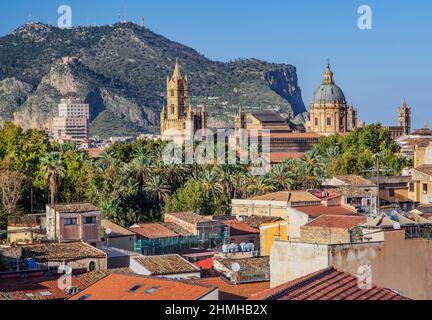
{"x":135,"y":288}
{"x":84,"y":297}
{"x":152,"y":290}
{"x":45,"y":293}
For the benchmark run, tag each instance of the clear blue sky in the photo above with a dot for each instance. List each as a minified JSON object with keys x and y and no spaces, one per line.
{"x":375,"y":68}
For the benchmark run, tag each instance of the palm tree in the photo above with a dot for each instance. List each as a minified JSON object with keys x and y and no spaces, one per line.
{"x":53,"y":170}
{"x":281,"y":178}
{"x":210,"y":183}
{"x":260,"y":186}
{"x":157,"y":189}
{"x":314,"y":168}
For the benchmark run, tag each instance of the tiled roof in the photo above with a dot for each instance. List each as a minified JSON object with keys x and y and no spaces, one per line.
{"x":153,"y":231}
{"x":316,"y":211}
{"x":426,"y":169}
{"x":74,"y":207}
{"x":35,"y":288}
{"x":328,"y":284}
{"x":269,"y":117}
{"x":392,"y":179}
{"x":351,"y":191}
{"x":293,"y":135}
{"x":134,"y":287}
{"x":240,"y":291}
{"x":251,"y":269}
{"x":336,"y":221}
{"x":91,"y":277}
{"x":116,"y":230}
{"x":353,"y":180}
{"x":166,"y":264}
{"x":289,"y":196}
{"x":177,"y":229}
{"x":95,"y":153}
{"x":62,"y":251}
{"x":190,"y":217}
{"x":257,"y":221}
{"x":279,"y":157}
{"x":205,"y":264}
{"x":238,"y":228}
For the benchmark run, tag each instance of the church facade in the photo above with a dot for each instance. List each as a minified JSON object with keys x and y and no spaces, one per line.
{"x":179,"y":121}
{"x":329,"y":113}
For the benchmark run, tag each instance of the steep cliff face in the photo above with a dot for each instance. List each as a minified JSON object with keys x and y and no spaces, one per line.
{"x":121,"y":70}
{"x":13,"y":93}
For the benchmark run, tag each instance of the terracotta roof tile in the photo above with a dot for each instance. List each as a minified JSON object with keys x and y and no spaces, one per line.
{"x":353,"y":180}
{"x":336,"y":221}
{"x":234,"y":291}
{"x":61,"y":251}
{"x":238,"y":228}
{"x":289,"y":196}
{"x":35,"y":288}
{"x":91,"y":277}
{"x":279,"y":157}
{"x":190,"y":217}
{"x":316,"y":211}
{"x":153,"y":231}
{"x":166,"y":264}
{"x":257,"y":221}
{"x":74,"y":207}
{"x":328,"y":284}
{"x":426,"y":169}
{"x":116,"y":230}
{"x":118,"y":287}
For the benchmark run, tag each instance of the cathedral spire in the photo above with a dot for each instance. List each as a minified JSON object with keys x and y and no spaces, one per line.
{"x":328,"y":75}
{"x":177,"y":73}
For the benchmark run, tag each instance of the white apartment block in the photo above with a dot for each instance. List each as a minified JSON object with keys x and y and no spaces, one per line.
{"x":72,"y":122}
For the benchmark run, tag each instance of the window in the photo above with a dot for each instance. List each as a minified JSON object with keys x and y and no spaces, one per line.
{"x":411,"y":187}
{"x":84,"y":297}
{"x":154,"y":289}
{"x":92,"y":266}
{"x":172,"y":93}
{"x":135,"y":288}
{"x":329,"y":121}
{"x":425,"y":188}
{"x":89,"y":220}
{"x":391,"y":193}
{"x":316,"y":121}
{"x":70,"y":221}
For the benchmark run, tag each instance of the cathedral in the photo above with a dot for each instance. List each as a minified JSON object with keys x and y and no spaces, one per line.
{"x":329,"y":113}
{"x":179,"y":121}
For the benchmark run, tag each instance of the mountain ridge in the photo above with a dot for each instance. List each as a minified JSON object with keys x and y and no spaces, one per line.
{"x":121,"y":70}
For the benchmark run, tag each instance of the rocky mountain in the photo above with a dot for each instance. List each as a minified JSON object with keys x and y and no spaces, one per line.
{"x":121,"y":70}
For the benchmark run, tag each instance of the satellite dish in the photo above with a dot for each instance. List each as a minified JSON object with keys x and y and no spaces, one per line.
{"x":108,"y":231}
{"x":235,"y":267}
{"x":396,"y":226}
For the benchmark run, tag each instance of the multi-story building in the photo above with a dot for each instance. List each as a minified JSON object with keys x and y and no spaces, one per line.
{"x":179,"y":122}
{"x":74,"y":222}
{"x":72,"y":123}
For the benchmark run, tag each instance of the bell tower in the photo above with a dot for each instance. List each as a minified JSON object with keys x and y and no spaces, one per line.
{"x":404,"y":118}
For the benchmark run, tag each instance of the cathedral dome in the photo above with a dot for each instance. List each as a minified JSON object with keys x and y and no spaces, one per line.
{"x":328,"y":92}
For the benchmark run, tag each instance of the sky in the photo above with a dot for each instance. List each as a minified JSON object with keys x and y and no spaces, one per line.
{"x":376,"y":68}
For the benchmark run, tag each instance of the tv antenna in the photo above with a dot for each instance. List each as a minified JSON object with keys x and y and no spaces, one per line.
{"x":378,"y":170}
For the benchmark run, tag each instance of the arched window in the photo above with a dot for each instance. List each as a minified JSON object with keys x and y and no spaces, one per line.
{"x":92,"y":266}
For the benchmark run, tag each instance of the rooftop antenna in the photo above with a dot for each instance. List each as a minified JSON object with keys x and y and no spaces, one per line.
{"x":426,"y":124}
{"x":142,"y":22}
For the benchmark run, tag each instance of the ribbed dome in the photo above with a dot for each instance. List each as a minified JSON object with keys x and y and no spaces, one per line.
{"x":329,"y":93}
